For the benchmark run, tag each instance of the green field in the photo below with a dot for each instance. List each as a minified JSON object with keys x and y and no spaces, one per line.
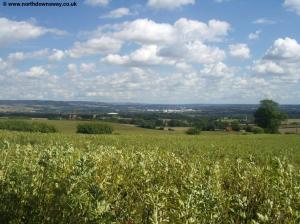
{"x":147,"y":176}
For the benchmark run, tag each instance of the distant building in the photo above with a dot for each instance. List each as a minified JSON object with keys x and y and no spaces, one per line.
{"x":72,"y":116}
{"x":113,"y":113}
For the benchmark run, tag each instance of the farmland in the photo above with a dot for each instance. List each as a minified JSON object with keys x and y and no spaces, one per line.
{"x":148,"y":176}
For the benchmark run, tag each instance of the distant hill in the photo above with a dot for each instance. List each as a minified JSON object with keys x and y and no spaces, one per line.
{"x":84,"y":107}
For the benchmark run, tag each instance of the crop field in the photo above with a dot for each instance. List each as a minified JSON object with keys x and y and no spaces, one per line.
{"x":146,"y":176}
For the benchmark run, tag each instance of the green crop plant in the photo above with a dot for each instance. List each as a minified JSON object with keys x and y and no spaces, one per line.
{"x":149,"y":178}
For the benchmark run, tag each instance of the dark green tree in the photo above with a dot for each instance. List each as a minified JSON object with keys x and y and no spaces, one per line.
{"x":235,"y":125}
{"x":268,"y":116}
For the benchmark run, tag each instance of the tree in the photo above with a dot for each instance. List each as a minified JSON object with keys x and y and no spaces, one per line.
{"x":268,"y":116}
{"x":235,"y":125}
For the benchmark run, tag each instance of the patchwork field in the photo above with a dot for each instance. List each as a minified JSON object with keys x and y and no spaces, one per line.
{"x":147,"y":176}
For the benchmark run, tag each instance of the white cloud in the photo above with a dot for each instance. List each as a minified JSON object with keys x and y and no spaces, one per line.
{"x":17,"y":56}
{"x":192,"y":52}
{"x":118,"y":13}
{"x":72,"y":68}
{"x":221,"y":1}
{"x":146,"y":55}
{"x":169,"y":63}
{"x":195,"y":52}
{"x":183,"y":66}
{"x":255,"y":35}
{"x":97,"y":2}
{"x":281,"y":59}
{"x":264,"y":21}
{"x":214,"y":30}
{"x":287,"y":49}
{"x":110,"y":38}
{"x":241,"y":51}
{"x":36,"y":72}
{"x":218,"y":70}
{"x":146,"y":31}
{"x":16,"y":31}
{"x":95,"y":46}
{"x":164,"y":43}
{"x":87,"y":67}
{"x":20,"y":56}
{"x":292,"y":5}
{"x":3,"y":64}
{"x":266,"y":66}
{"x":169,"y":4}
{"x":57,"y":55}
{"x":215,"y":82}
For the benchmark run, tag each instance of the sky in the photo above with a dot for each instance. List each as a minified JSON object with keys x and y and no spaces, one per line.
{"x":151,"y":51}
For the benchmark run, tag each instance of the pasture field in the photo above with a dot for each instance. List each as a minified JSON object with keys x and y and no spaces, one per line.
{"x":292,"y":120}
{"x":146,"y":176}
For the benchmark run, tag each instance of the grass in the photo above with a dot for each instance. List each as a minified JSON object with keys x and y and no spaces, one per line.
{"x":148,"y":176}
{"x":70,"y":127}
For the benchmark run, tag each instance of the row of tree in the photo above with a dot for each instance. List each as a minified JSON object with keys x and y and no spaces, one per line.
{"x":267,"y":119}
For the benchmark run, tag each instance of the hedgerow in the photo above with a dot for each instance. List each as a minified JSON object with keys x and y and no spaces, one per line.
{"x":94,"y":128}
{"x":27,"y":126}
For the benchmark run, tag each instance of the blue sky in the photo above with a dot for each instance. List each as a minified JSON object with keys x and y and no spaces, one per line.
{"x":152,"y":51}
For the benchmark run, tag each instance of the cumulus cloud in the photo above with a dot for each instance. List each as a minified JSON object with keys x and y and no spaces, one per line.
{"x":146,"y":31}
{"x":281,"y":59}
{"x":195,"y":52}
{"x":94,"y":46}
{"x":184,"y":40}
{"x":266,"y":66}
{"x":118,"y":13}
{"x":3,"y":64}
{"x":214,"y":30}
{"x":169,"y":4}
{"x":241,"y":51}
{"x":36,"y":72}
{"x":292,"y":5}
{"x":287,"y":49}
{"x":146,"y":55}
{"x":87,"y":67}
{"x":20,"y":56}
{"x":255,"y":35}
{"x":15,"y":31}
{"x":97,"y":2}
{"x":216,"y":82}
{"x":218,"y":70}
{"x":157,"y":62}
{"x":57,"y":55}
{"x":184,"y":36}
{"x":164,"y":43}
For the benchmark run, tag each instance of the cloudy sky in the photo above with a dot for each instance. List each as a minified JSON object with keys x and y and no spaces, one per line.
{"x":152,"y":51}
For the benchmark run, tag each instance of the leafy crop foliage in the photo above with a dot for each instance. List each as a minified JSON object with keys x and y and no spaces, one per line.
{"x":94,"y":128}
{"x":15,"y":125}
{"x":149,"y":178}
